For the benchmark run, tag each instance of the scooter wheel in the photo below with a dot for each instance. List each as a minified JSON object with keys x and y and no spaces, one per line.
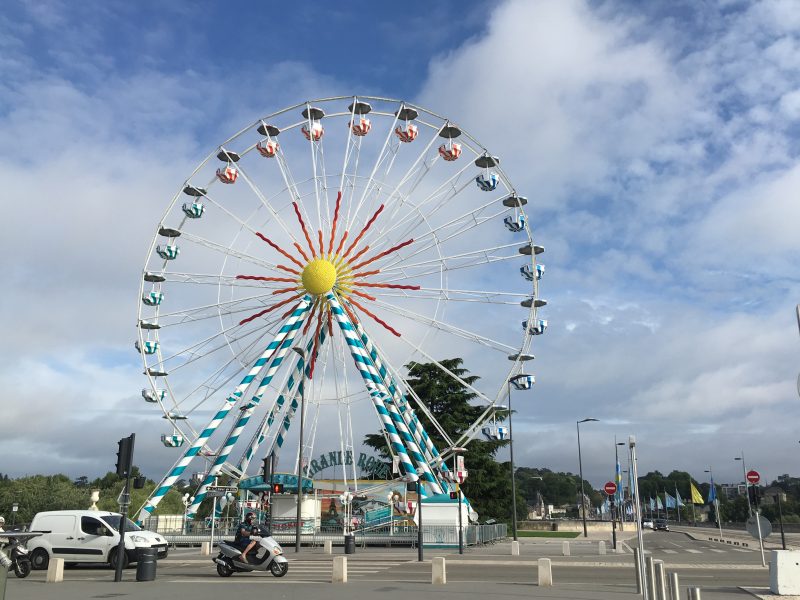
{"x":224,"y":570}
{"x":22,"y":568}
{"x":279,"y":569}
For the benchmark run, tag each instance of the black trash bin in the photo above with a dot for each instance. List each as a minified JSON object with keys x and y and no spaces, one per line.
{"x":350,"y":544}
{"x":146,"y":564}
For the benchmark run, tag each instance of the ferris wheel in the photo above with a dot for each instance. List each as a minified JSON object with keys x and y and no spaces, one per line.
{"x":306,"y":262}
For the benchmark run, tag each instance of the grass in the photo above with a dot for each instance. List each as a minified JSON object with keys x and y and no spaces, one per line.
{"x":549,"y":534}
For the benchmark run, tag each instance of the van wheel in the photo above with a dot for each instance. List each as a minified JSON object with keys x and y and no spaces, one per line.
{"x":112,"y":559}
{"x":40,"y":559}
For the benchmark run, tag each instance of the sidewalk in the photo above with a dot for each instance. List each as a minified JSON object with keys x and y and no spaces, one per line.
{"x":737,"y":538}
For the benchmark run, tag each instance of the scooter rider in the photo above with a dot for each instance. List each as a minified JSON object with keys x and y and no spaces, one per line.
{"x":244,"y":531}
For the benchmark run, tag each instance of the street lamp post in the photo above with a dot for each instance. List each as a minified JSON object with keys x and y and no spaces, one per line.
{"x":511,"y":452}
{"x":580,"y":471}
{"x":302,"y":354}
{"x":621,"y":489}
{"x":746,"y":485}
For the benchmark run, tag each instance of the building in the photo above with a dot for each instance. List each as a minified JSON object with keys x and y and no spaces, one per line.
{"x":733,"y":490}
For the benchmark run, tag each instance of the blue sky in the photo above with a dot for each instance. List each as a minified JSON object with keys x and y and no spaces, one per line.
{"x":658,"y":142}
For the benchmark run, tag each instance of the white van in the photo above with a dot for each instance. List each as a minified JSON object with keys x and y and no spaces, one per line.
{"x":82,"y":536}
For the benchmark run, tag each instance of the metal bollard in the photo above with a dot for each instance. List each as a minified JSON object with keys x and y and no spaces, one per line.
{"x":514,"y":548}
{"x":328,"y":547}
{"x":694,"y":593}
{"x":205,"y":548}
{"x":565,"y":548}
{"x":661,"y":581}
{"x":601,"y":547}
{"x":674,"y":587}
{"x":638,"y":571}
{"x":650,"y":577}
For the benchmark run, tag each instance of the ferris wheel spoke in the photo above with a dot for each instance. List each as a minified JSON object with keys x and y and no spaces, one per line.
{"x":229,"y":251}
{"x":446,"y":327}
{"x":470,"y":257}
{"x":207,"y":311}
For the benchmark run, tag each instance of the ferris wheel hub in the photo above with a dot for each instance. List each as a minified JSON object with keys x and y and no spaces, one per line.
{"x":319,"y":276}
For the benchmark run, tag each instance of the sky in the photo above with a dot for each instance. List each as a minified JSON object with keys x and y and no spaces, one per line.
{"x":659,"y":145}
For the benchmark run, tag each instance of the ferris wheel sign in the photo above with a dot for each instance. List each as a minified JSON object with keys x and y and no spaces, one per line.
{"x":325,"y":229}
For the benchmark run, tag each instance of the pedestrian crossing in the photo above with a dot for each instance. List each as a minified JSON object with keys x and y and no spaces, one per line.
{"x":703,"y":550}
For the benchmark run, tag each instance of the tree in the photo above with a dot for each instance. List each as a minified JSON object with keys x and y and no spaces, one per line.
{"x":488,"y":486}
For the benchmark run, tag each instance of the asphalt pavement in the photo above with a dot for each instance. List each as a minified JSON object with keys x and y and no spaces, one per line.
{"x":491,"y":571}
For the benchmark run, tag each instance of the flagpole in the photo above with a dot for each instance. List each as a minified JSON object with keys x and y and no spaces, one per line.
{"x":677,"y":503}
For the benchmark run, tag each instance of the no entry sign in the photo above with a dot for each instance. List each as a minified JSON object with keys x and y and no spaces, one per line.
{"x":610,"y":488}
{"x":753,"y":477}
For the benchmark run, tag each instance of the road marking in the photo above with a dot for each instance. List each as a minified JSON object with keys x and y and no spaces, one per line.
{"x":717,"y":551}
{"x":690,"y":550}
{"x":741,"y":550}
{"x":667,"y":551}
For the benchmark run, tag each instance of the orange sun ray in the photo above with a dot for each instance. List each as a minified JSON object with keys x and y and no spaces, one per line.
{"x":257,"y":278}
{"x":363,"y":231}
{"x":382,"y":254}
{"x":335,"y":220}
{"x":271,"y":308}
{"x":303,"y":227}
{"x":281,"y":250}
{"x":355,"y":303}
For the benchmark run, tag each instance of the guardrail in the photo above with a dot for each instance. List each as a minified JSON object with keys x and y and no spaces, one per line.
{"x":433,"y":535}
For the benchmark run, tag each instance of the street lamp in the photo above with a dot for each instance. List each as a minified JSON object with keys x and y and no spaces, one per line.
{"x":521,"y":382}
{"x":302,"y":354}
{"x":746,"y":486}
{"x":580,"y":470}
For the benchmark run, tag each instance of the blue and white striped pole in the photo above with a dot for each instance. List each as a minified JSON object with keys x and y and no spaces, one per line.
{"x":281,"y":344}
{"x":373,"y":383}
{"x":180,"y":466}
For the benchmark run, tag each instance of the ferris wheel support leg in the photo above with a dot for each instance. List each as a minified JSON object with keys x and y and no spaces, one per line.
{"x":406,"y":429}
{"x":373,"y":383}
{"x":180,"y":466}
{"x":280,"y":345}
{"x":269,"y":419}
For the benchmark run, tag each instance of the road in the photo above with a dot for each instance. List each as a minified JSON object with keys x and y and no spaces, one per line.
{"x":487,"y":571}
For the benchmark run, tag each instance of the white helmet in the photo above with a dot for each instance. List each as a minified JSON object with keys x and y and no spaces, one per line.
{"x":2,"y":521}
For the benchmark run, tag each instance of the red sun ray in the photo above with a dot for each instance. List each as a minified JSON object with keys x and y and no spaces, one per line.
{"x":301,"y":251}
{"x":256,"y":278}
{"x":390,"y":286}
{"x":288,"y":269}
{"x":271,"y":308}
{"x":366,"y":311}
{"x":341,"y":243}
{"x":382,"y":254}
{"x":303,"y":227}
{"x":315,"y":350}
{"x":281,"y":250}
{"x":335,"y":220}
{"x":363,"y":231}
{"x":321,"y":243}
{"x":284,"y":290}
{"x":366,"y":273}
{"x":359,"y":253}
{"x":363,"y":295}
{"x":330,"y":322}
{"x":310,"y":316}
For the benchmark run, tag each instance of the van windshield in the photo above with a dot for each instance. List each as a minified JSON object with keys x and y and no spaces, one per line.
{"x":113,"y":521}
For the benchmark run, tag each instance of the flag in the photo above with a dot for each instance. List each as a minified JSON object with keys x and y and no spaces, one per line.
{"x":678,"y":498}
{"x":659,"y":505}
{"x":618,"y":480}
{"x":652,"y":504}
{"x":696,"y":497}
{"x":670,"y":501}
{"x":712,"y":492}
{"x":629,"y":509}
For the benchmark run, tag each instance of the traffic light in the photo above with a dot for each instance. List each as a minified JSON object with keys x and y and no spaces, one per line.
{"x":277,"y":488}
{"x":124,"y":456}
{"x":754,"y":493}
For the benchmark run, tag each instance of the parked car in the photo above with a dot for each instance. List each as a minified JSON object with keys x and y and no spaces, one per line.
{"x":647,"y":524}
{"x":83,"y":536}
{"x":660,"y":525}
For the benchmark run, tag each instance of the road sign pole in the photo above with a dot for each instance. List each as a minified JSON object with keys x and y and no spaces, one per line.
{"x":760,"y":538}
{"x":613,"y":524}
{"x":780,"y":519}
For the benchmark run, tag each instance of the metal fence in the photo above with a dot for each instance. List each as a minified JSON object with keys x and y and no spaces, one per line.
{"x":384,"y":535}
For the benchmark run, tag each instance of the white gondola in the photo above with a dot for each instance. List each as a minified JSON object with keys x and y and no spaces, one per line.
{"x":496,"y":432}
{"x":148,"y":347}
{"x":153,"y":396}
{"x":174,"y":440}
{"x":527,"y":272}
{"x":168,"y":252}
{"x":515,"y":224}
{"x":153,"y":298}
{"x":193,"y":210}
{"x":537,"y":327}
{"x":539,"y":271}
{"x":523,"y":382}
